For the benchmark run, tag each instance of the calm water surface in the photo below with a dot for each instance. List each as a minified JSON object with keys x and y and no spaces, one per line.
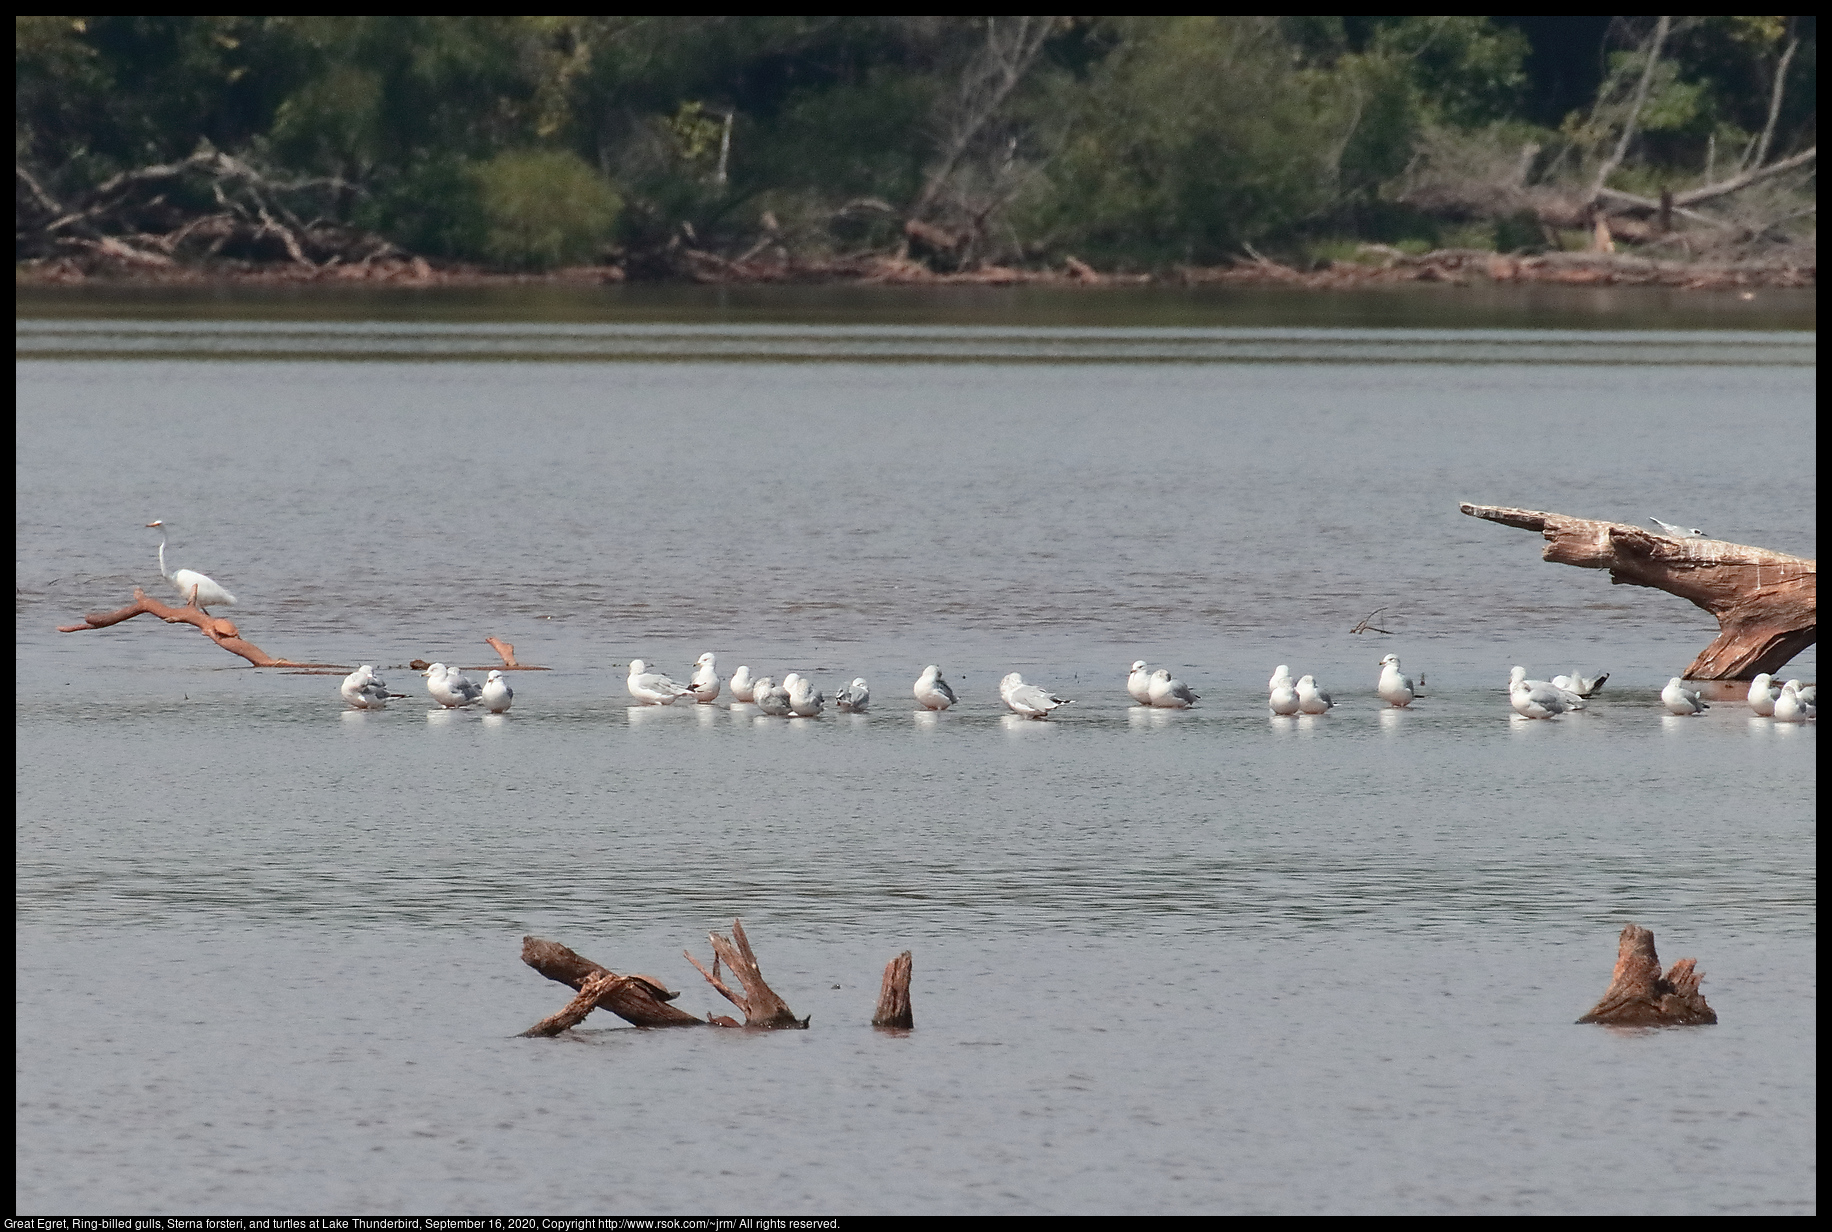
{"x":267,"y":950}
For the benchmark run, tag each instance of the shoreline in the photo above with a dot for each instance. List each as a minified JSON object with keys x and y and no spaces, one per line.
{"x":694,"y":267}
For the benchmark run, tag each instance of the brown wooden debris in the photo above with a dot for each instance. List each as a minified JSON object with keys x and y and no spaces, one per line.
{"x":638,"y":999}
{"x":1766,"y":603}
{"x":1639,"y":996}
{"x":894,"y":996}
{"x":762,"y":1007}
{"x":216,"y":628}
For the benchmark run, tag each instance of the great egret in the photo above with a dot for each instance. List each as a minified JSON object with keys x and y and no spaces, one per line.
{"x":196,"y":588}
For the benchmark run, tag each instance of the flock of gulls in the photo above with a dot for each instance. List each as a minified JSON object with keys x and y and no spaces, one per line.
{"x":796,"y":696}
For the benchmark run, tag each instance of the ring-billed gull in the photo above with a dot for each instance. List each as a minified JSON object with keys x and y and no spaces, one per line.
{"x":1537,"y":699}
{"x":1518,"y":675}
{"x":1170,"y":694}
{"x":1762,"y":694}
{"x":742,"y":684}
{"x":1681,"y":700}
{"x":363,"y":689}
{"x":1281,"y":679}
{"x":853,"y":698}
{"x":497,"y":695}
{"x":653,"y":688}
{"x":1395,"y":688}
{"x":1311,"y":699}
{"x":197,"y":589}
{"x":1679,"y":532}
{"x":770,"y":697}
{"x":1138,"y":682}
{"x":705,"y":679}
{"x":450,"y":687}
{"x":1028,"y":699}
{"x":932,"y":691}
{"x":803,"y":700}
{"x":1284,"y":697}
{"x":1793,"y":706}
{"x":1583,"y":686}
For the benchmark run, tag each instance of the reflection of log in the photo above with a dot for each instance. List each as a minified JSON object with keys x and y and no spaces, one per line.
{"x":638,"y":999}
{"x":222,"y":632}
{"x":1766,"y":603}
{"x":1639,"y":996}
{"x":761,"y":1006}
{"x":894,"y":996}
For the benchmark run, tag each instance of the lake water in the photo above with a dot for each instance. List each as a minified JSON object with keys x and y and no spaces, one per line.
{"x":267,"y":949}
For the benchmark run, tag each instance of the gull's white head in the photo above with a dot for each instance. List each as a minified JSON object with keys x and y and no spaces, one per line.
{"x":494,"y":676}
{"x":1516,"y":674}
{"x":707,"y":659}
{"x":1307,"y":682}
{"x":858,"y":682}
{"x":437,"y":669}
{"x":1392,"y":658}
{"x":638,"y":667}
{"x":1138,"y":665}
{"x":1283,"y":669}
{"x":1163,"y":673}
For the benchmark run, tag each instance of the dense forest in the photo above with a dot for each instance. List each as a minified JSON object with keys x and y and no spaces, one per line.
{"x":1125,"y":143}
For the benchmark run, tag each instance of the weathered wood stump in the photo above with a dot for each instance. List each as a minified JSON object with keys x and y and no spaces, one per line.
{"x":219,"y":630}
{"x":1639,"y":996}
{"x":1766,"y":603}
{"x":638,"y":999}
{"x":894,"y":995}
{"x":762,"y":1008}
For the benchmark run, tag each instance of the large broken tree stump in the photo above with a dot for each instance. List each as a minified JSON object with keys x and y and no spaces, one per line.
{"x":638,"y":999}
{"x":216,"y":628}
{"x":762,"y":1007}
{"x":1766,"y":603}
{"x":894,"y":995}
{"x":1640,"y":996}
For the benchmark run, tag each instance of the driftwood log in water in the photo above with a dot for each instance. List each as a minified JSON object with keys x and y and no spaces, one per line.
{"x":216,"y":628}
{"x":894,"y":996}
{"x":762,"y":1007}
{"x":639,"y":999}
{"x":1766,"y":603}
{"x":1640,"y":996}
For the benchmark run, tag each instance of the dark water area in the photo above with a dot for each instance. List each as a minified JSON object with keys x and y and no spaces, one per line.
{"x":267,"y":947}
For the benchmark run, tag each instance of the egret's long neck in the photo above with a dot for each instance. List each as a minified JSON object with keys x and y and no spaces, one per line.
{"x":164,"y":572}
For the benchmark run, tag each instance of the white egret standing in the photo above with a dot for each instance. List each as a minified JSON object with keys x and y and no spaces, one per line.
{"x":194,"y":586}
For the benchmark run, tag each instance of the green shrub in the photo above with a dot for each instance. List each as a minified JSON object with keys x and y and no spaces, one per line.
{"x":543,"y":208}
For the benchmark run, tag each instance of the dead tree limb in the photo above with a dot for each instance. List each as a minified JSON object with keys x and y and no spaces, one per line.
{"x":1655,"y":42}
{"x":894,"y":995}
{"x":1766,"y":603}
{"x":1639,"y":996}
{"x":638,"y":999}
{"x":762,"y":1007}
{"x":222,"y":632}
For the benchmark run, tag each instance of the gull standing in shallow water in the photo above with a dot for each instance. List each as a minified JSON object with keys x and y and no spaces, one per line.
{"x":1394,"y":688}
{"x":770,"y":697}
{"x":1169,"y":694}
{"x":1028,"y":699}
{"x":363,"y":689}
{"x":803,"y":700}
{"x":705,"y":679}
{"x":1762,"y":694}
{"x":653,"y":688}
{"x":450,"y":687}
{"x":1518,"y":675}
{"x":1583,"y":686}
{"x":1681,"y":700}
{"x":932,"y":691}
{"x":497,"y":695}
{"x":1284,"y":696}
{"x":741,"y":685}
{"x":1311,"y":699}
{"x":1281,"y":679}
{"x":1794,"y":706}
{"x":1138,"y":683}
{"x":1538,"y":699}
{"x":853,"y":698}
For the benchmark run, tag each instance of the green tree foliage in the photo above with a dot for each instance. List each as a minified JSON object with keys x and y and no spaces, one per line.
{"x":524,"y":142}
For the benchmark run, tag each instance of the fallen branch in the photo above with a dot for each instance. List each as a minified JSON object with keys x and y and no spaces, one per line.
{"x":222,"y":632}
{"x":507,"y":651}
{"x":1639,"y":996}
{"x":762,"y":1008}
{"x":1766,"y":603}
{"x":638,"y":999}
{"x":894,"y":995}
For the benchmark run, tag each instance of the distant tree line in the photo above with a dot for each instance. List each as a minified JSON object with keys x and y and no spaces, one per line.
{"x":1130,"y":142}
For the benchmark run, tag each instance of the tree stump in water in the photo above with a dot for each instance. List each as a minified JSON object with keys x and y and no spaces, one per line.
{"x":219,"y":630}
{"x":1766,"y":603}
{"x":762,"y":1007}
{"x":894,"y":996}
{"x":1639,"y":996}
{"x":638,"y":999}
